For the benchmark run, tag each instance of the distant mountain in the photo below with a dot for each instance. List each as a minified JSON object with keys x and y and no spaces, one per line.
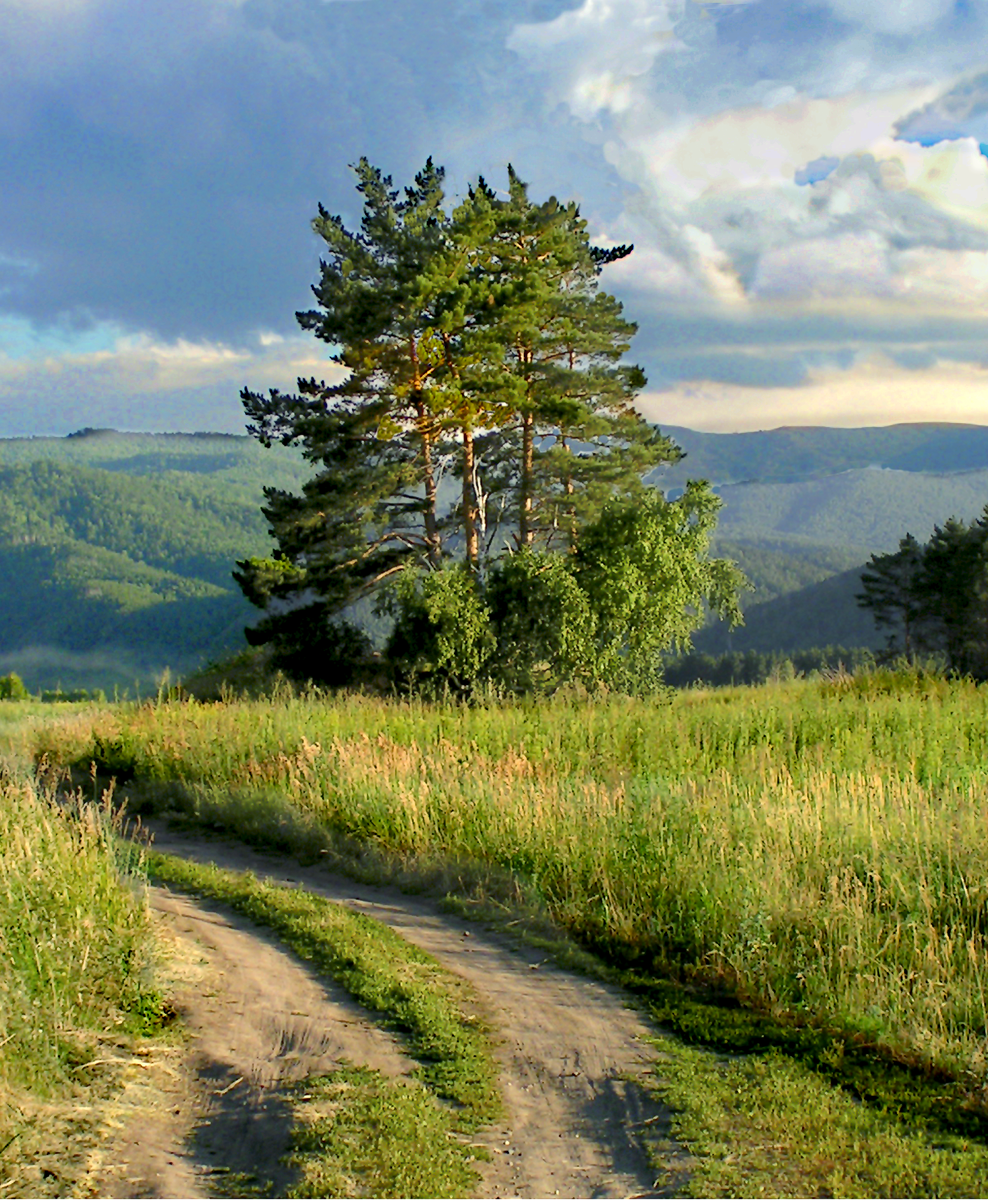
{"x":116,"y":549}
{"x":803,"y":545}
{"x":804,"y":452}
{"x":116,"y":552}
{"x":866,"y":511}
{"x":823,"y":614}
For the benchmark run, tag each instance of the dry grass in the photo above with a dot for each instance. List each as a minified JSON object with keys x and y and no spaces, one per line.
{"x":75,"y":974}
{"x":818,"y":847}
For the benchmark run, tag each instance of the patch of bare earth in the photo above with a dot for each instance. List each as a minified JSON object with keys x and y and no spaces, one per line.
{"x":256,"y":1019}
{"x":570,"y":1051}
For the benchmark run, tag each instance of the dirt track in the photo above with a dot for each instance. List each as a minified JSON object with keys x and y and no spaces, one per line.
{"x":259,"y":1019}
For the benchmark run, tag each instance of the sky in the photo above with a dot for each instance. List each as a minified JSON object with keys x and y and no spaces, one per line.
{"x":805,"y":184}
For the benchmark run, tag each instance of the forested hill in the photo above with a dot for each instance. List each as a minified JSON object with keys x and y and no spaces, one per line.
{"x":804,"y":452}
{"x":241,"y":465}
{"x":116,"y":549}
{"x":116,"y":552}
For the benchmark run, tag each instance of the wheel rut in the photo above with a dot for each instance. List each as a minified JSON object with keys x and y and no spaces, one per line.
{"x":570,"y":1049}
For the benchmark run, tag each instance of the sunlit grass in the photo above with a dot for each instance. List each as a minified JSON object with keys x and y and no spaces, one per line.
{"x":818,"y":848}
{"x":76,"y":952}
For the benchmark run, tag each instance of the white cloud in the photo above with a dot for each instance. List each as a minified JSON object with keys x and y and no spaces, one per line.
{"x":873,"y":392}
{"x":719,"y":216}
{"x":851,"y":264}
{"x":752,"y":146}
{"x":597,"y":51}
{"x":892,"y":16}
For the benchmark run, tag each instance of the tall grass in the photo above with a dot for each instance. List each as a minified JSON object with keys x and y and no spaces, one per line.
{"x":75,"y":949}
{"x":820,"y":848}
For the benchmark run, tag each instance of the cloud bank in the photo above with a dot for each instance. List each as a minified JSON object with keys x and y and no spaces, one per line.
{"x":806,"y":184}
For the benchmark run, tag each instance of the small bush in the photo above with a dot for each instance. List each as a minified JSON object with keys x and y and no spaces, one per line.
{"x":442,"y":638}
{"x":542,"y":622}
{"x":12,"y":688}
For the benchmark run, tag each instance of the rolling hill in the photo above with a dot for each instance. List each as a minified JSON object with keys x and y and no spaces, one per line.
{"x":824,"y":613}
{"x":805,"y":452}
{"x":116,"y":549}
{"x":116,"y":552}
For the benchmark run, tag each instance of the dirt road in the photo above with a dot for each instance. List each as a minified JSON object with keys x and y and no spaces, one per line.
{"x":569,"y":1050}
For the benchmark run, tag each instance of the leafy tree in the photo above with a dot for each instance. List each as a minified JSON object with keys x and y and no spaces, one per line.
{"x":889,"y":589}
{"x":645,"y":568}
{"x":542,"y":622}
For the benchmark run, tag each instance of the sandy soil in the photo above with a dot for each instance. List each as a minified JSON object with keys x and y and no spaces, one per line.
{"x":569,"y":1049}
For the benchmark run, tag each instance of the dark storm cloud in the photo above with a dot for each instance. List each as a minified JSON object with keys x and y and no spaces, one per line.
{"x":162,"y":172}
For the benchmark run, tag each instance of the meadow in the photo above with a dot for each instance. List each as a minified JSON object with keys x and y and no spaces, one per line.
{"x":77,"y":955}
{"x":816,"y":849}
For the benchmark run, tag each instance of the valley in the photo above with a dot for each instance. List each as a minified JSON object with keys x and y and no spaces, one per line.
{"x":116,"y":549}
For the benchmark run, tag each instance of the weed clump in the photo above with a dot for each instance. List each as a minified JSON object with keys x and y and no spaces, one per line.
{"x":76,"y":955}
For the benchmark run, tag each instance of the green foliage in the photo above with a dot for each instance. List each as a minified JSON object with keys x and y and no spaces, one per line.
{"x":935,"y":596}
{"x":545,"y":345}
{"x":645,"y":570}
{"x":542,"y":622}
{"x":442,"y":637}
{"x":634,"y":588}
{"x":12,"y":688}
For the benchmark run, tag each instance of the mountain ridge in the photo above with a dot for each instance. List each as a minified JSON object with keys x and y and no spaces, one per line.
{"x":116,"y":549}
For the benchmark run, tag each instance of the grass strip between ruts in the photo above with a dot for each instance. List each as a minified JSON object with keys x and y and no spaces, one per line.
{"x":347,"y":1138}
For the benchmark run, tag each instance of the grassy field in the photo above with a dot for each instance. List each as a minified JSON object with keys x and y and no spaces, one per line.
{"x":817,"y":849}
{"x":76,"y":982}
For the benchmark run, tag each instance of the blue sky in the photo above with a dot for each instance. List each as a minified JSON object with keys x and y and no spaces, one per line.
{"x":806,"y":185}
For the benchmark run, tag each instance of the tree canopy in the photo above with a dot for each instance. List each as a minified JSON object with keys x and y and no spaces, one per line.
{"x":479,"y":348}
{"x":933,"y":598}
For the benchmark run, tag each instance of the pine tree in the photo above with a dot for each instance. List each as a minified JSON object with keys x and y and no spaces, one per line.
{"x":890,"y":589}
{"x":372,"y":504}
{"x":548,"y":344}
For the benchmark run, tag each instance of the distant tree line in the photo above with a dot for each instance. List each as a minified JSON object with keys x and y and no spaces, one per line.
{"x":12,"y":687}
{"x":478,"y":347}
{"x":752,"y":668}
{"x":932,"y":598}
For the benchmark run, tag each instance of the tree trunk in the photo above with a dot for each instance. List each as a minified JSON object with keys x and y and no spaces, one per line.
{"x":433,"y":542}
{"x":426,"y":430}
{"x":570,"y":491}
{"x":526,"y":523}
{"x":470,"y":502}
